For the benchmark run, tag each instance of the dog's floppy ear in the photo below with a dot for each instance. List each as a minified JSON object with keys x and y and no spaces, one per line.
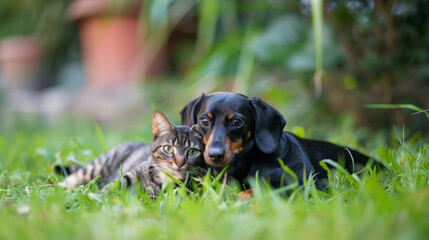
{"x":269,"y":124}
{"x":190,"y":111}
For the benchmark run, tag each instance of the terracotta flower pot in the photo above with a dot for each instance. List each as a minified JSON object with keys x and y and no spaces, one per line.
{"x":20,"y":59}
{"x":112,"y":51}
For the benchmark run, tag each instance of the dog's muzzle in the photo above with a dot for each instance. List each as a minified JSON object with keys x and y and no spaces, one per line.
{"x":217,"y":152}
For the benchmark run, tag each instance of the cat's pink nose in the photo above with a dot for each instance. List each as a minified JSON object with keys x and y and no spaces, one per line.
{"x":180,"y":161}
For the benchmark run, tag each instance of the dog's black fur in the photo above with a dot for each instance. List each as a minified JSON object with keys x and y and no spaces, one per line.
{"x":247,"y":133}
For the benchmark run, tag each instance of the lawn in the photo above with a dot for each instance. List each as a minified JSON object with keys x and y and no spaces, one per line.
{"x":387,"y":204}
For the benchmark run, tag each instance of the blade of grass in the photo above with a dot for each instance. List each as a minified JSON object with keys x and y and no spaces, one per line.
{"x":317,"y":22}
{"x":245,"y":64}
{"x":343,"y":171}
{"x":173,"y":178}
{"x":328,"y":170}
{"x":288,"y":170}
{"x":101,"y":138}
{"x":219,"y":176}
{"x":208,"y":190}
{"x":115,"y":185}
{"x":208,"y":17}
{"x":292,"y":186}
{"x":397,"y":106}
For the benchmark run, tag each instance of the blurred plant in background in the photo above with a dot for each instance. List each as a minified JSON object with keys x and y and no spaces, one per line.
{"x":373,"y":52}
{"x":385,"y":46}
{"x":44,"y":24}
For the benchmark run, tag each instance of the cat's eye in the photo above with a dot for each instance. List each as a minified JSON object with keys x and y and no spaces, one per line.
{"x":168,"y":149}
{"x":204,"y":122}
{"x":193,"y":152}
{"x":237,"y":123}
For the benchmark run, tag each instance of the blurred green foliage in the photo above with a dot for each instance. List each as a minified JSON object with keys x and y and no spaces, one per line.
{"x":374,"y":52}
{"x":46,"y":20}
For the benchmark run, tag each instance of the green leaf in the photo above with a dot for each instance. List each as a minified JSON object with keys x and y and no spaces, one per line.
{"x":219,"y":176}
{"x":101,"y":138}
{"x":299,"y":131}
{"x":172,"y":178}
{"x":343,"y":171}
{"x":288,"y":170}
{"x":328,"y":170}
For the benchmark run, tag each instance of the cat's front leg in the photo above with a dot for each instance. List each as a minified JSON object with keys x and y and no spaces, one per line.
{"x":151,"y":188}
{"x":127,"y":180}
{"x":147,"y":181}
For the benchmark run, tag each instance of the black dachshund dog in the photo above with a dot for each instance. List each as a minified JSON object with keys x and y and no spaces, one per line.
{"x":247,"y":134}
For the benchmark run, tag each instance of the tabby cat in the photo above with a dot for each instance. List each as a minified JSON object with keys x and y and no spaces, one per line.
{"x":174,"y":150}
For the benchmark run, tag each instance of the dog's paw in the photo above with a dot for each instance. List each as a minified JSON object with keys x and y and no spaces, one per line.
{"x":246,"y":194}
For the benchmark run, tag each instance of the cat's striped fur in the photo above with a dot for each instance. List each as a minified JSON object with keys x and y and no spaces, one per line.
{"x":174,"y":150}
{"x":108,"y":165}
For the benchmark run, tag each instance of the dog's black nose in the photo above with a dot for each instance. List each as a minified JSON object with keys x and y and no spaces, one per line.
{"x":216,"y":154}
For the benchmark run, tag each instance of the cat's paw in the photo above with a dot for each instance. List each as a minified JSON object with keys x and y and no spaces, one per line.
{"x":66,"y":184}
{"x":70,"y":181}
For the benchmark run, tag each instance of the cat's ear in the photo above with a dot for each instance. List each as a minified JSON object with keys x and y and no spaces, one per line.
{"x":160,"y":124}
{"x":194,"y":130}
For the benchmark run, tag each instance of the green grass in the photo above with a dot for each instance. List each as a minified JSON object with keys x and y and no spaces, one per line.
{"x":389,"y":204}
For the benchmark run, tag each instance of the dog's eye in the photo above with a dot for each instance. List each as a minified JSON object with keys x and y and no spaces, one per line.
{"x":237,"y":123}
{"x":168,"y":149}
{"x":205,"y":122}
